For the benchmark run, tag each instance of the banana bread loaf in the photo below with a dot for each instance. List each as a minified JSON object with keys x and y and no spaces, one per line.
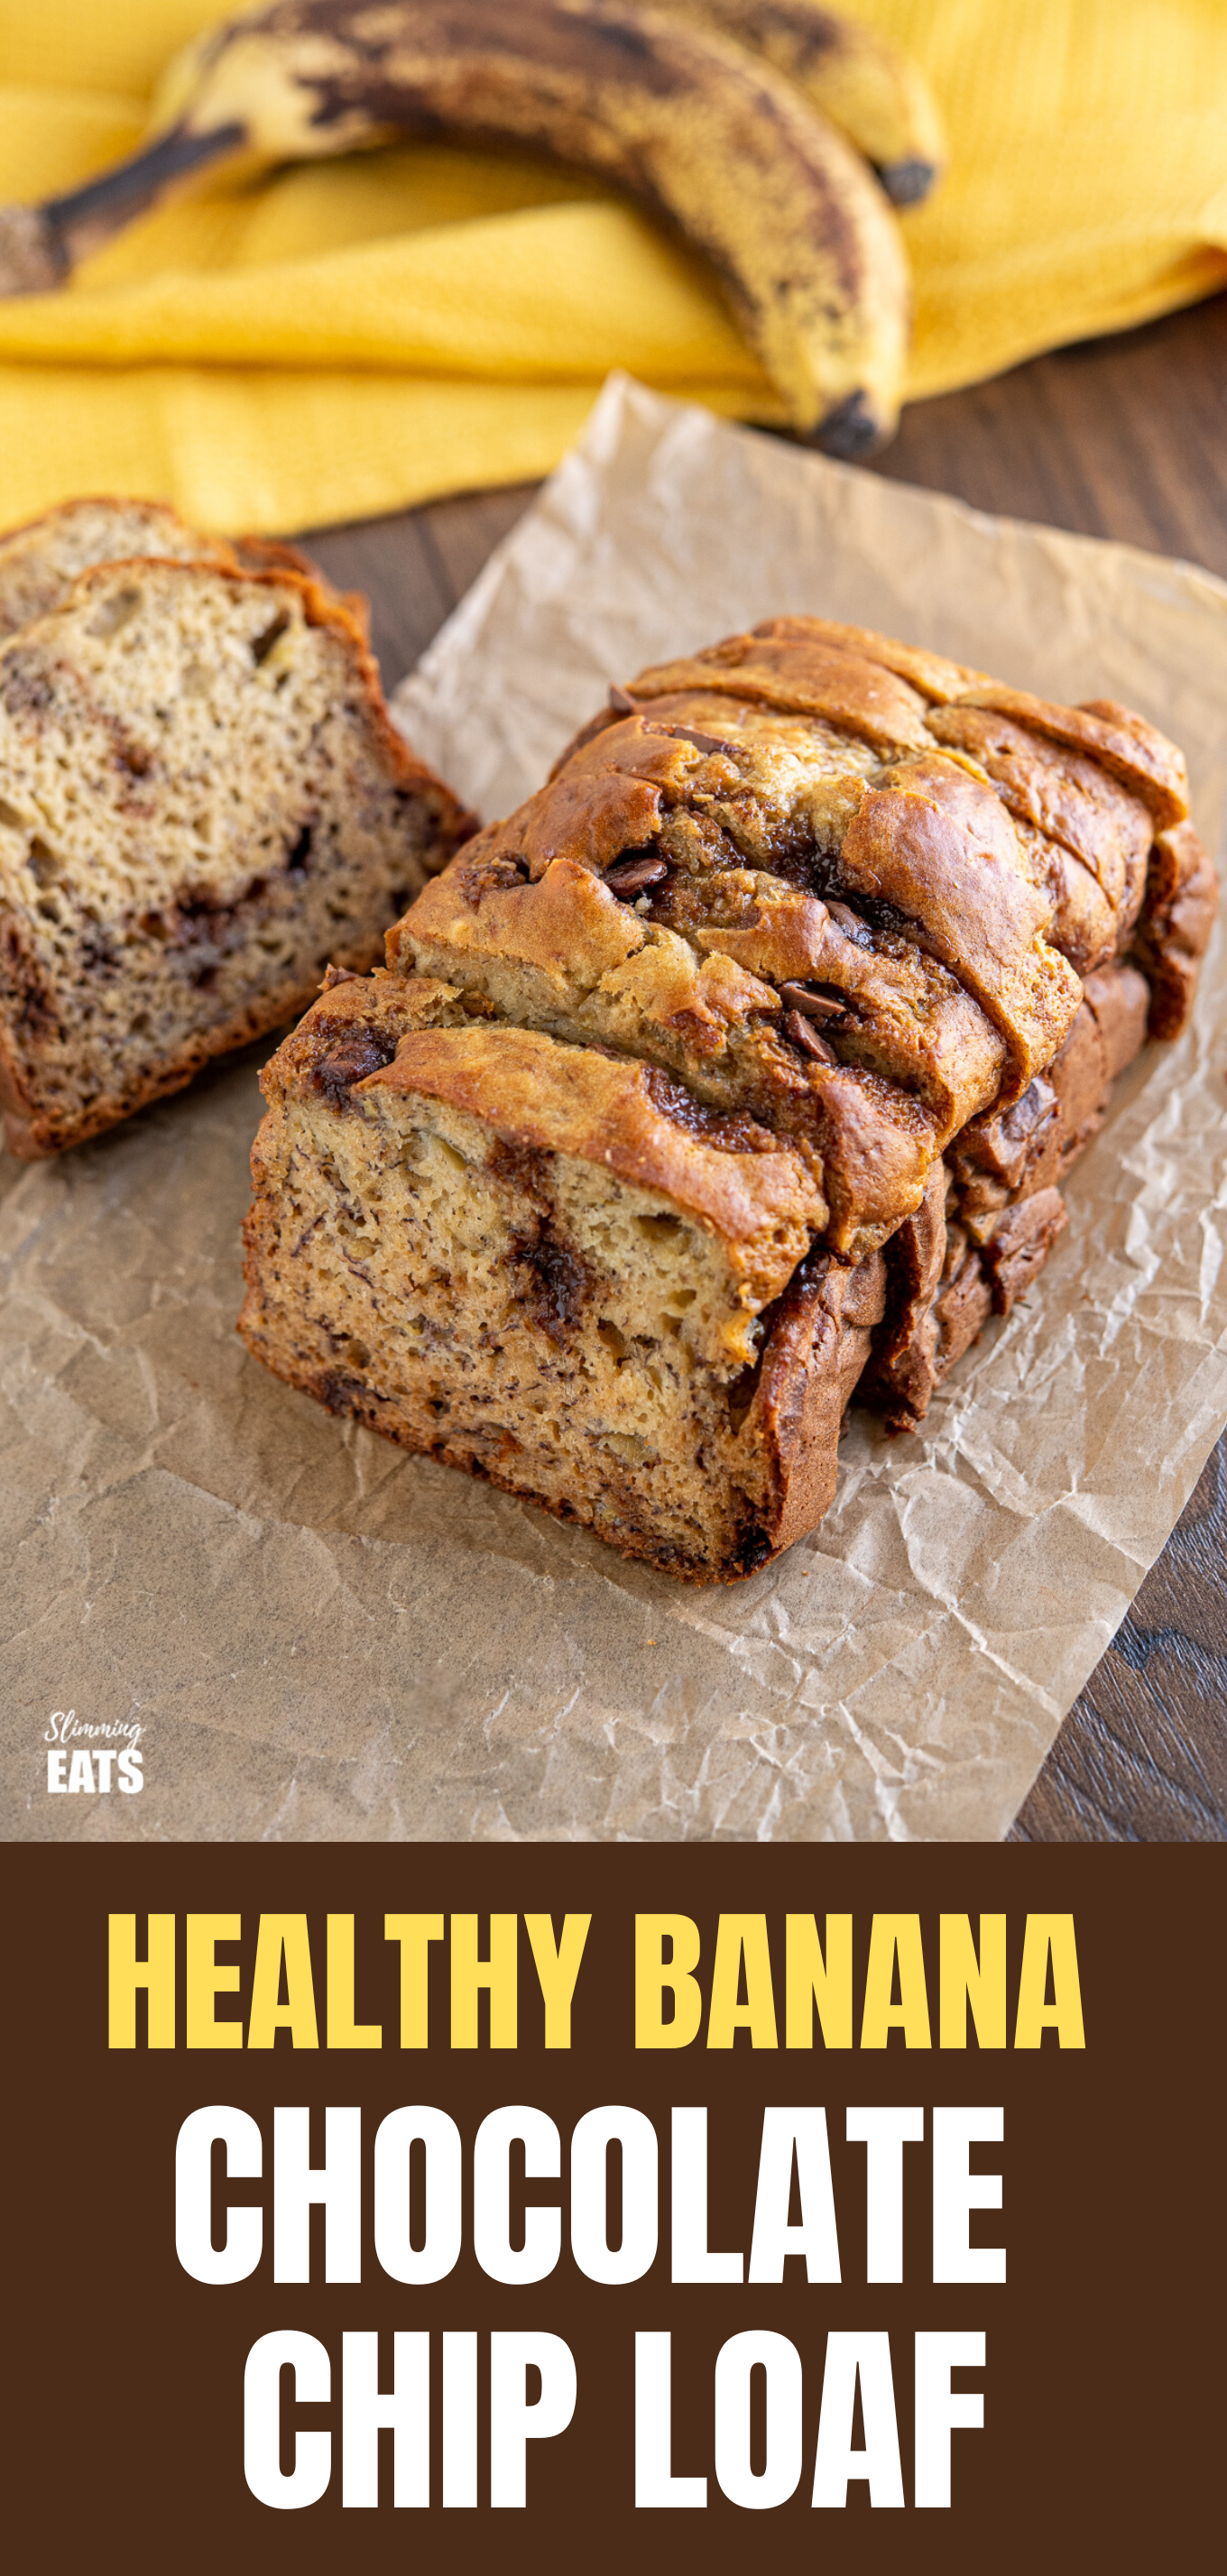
{"x":202,"y":799}
{"x":737,"y":1068}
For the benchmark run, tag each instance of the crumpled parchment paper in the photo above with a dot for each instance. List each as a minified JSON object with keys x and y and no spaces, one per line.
{"x":320,"y":1638}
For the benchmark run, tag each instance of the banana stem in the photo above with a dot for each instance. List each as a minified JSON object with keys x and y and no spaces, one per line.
{"x":79,"y":221}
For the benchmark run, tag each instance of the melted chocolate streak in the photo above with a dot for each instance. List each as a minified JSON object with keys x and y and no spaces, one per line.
{"x":555,"y":1280}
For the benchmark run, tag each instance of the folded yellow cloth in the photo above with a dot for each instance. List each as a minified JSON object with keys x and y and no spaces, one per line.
{"x":350,"y":337}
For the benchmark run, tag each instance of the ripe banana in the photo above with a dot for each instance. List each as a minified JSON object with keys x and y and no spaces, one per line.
{"x":709,"y":138}
{"x":876,"y":95}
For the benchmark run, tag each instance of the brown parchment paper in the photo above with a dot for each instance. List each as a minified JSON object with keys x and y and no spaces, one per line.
{"x":321,"y":1638}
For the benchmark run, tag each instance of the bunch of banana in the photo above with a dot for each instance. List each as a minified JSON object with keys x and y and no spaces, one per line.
{"x":703,"y":109}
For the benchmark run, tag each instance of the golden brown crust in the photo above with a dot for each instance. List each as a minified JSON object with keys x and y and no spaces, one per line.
{"x":379,"y":1008}
{"x":238,"y":554}
{"x":1080,"y":787}
{"x":1020,"y":1244}
{"x":819,"y":1341}
{"x":1075,"y":801}
{"x":1124,"y":744}
{"x":941,"y":852}
{"x":933,"y":674}
{"x":590,"y":956}
{"x":786,"y":935}
{"x":993,"y":1211}
{"x":1181,"y":905}
{"x":277,"y":554}
{"x":599,"y":816}
{"x":805,"y":675}
{"x":1084,"y":926}
{"x":877,"y":1143}
{"x":1118,"y":1000}
{"x":902,"y":1373}
{"x":566,"y":923}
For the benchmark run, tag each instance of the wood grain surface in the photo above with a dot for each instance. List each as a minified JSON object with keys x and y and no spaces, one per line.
{"x":1126,"y":438}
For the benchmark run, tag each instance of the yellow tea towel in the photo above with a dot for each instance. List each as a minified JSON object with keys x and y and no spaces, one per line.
{"x":346,"y":338}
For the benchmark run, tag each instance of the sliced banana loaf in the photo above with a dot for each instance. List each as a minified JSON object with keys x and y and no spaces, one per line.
{"x":202,"y":800}
{"x":737,"y":1067}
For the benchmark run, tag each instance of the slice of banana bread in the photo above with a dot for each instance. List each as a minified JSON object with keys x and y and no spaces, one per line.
{"x":202,"y":800}
{"x":743,"y":1061}
{"x":40,"y":562}
{"x":547,"y":1264}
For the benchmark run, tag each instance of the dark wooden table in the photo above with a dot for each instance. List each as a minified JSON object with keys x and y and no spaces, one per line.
{"x":1117,"y":438}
